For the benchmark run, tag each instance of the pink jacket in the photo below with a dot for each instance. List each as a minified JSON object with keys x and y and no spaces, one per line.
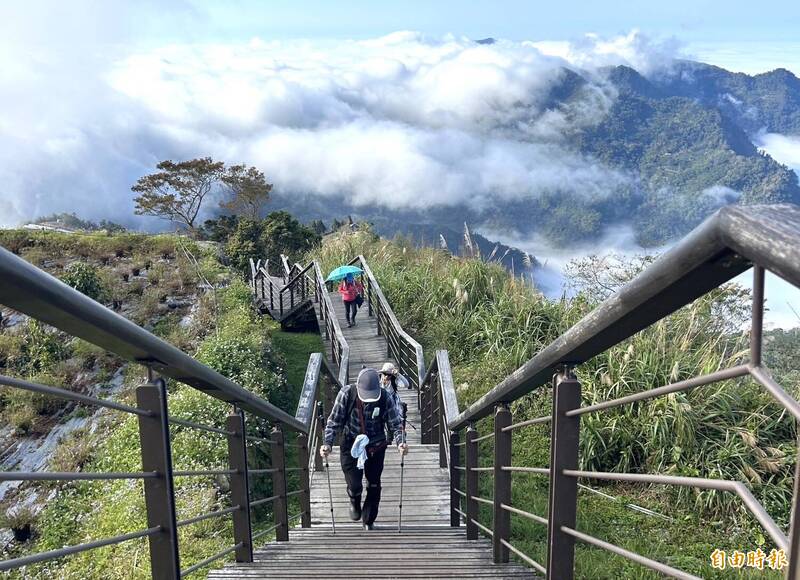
{"x":350,"y":291}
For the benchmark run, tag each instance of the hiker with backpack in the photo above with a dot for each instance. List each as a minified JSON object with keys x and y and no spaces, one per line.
{"x":352,"y":292}
{"x":362,"y":412}
{"x":391,"y":381}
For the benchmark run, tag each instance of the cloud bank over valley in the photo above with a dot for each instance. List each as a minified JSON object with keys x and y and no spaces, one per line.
{"x":402,"y":121}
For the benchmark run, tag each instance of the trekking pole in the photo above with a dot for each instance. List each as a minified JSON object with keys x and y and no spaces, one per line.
{"x":321,"y":417}
{"x":402,"y":470}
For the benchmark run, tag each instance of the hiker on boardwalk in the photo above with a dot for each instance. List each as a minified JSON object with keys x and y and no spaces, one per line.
{"x":392,"y":380}
{"x":352,"y":292}
{"x":362,"y":412}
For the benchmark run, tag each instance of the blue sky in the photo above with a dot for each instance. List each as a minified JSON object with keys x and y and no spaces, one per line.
{"x":738,"y":34}
{"x":693,"y":20}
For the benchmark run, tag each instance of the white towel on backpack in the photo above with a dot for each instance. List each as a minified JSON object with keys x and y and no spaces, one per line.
{"x":359,"y":450}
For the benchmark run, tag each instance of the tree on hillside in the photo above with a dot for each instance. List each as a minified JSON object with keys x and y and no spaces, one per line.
{"x":249,"y":190}
{"x":318,"y":226}
{"x":278,"y":234}
{"x":176,"y":192}
{"x":220,"y":229}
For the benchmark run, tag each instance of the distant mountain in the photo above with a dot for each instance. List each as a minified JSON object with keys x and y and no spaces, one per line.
{"x":769,"y":101}
{"x":683,"y":137}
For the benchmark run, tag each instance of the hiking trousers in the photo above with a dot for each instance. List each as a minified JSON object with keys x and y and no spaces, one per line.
{"x":350,"y":310}
{"x":373,"y":468}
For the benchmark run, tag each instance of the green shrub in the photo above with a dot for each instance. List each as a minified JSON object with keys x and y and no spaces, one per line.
{"x":41,"y":348}
{"x":24,"y":410}
{"x":20,"y":520}
{"x":85,"y":279}
{"x":10,"y":351}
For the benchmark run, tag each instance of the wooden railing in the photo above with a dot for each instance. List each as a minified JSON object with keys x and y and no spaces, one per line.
{"x":340,"y":350}
{"x":400,"y":346}
{"x":732,"y":241}
{"x":35,"y":293}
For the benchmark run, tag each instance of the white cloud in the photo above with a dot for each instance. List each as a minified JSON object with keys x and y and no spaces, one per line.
{"x":783,"y":148}
{"x":637,"y":50}
{"x":402,"y":120}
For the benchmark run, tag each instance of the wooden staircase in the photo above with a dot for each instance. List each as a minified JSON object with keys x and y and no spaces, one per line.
{"x":425,"y":546}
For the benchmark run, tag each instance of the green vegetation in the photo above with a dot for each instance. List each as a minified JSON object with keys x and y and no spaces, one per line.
{"x":153,"y":280}
{"x":85,"y":279}
{"x":295,"y":348}
{"x":490,"y":323}
{"x":278,"y":234}
{"x":71,"y":220}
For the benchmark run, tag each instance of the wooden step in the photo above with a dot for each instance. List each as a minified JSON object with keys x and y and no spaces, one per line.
{"x":419,"y":552}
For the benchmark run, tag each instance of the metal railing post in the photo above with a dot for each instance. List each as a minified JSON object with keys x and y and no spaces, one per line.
{"x":159,"y":492}
{"x":369,"y":302}
{"x":423,"y":420}
{"x":455,"y":480}
{"x":441,"y":429}
{"x":271,"y":296}
{"x":564,"y":439}
{"x":472,"y":482}
{"x":502,"y":484}
{"x":305,"y":496}
{"x":793,"y":571}
{"x":240,"y":486}
{"x":279,"y":506}
{"x":280,"y":301}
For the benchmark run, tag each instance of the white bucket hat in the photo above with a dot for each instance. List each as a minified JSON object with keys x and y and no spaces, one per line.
{"x":389,"y":369}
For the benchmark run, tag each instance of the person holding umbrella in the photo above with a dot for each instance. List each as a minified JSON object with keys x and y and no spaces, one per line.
{"x":352,"y":295}
{"x":352,"y":291}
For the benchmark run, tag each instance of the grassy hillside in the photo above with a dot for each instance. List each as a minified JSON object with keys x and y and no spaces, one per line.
{"x":490,"y":324}
{"x":180,"y":291}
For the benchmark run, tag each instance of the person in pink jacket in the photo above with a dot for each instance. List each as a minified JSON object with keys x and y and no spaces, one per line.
{"x":351,"y":290}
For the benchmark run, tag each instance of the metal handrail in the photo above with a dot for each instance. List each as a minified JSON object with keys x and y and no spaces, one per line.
{"x":419,"y":371}
{"x":723,"y":247}
{"x":29,"y":290}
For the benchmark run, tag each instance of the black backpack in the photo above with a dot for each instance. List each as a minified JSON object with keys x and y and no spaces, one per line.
{"x":352,"y":399}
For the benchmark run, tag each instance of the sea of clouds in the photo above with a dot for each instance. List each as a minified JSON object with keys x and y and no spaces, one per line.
{"x":402,"y":121}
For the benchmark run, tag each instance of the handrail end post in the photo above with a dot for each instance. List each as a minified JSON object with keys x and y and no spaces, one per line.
{"x":305,"y":483}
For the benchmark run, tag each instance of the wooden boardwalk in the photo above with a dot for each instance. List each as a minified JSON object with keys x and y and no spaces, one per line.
{"x":427,"y":547}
